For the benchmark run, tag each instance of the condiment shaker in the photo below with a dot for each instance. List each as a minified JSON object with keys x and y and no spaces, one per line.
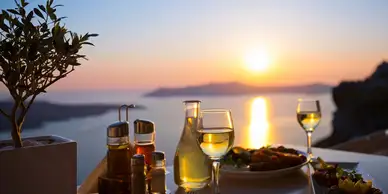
{"x":144,"y":139}
{"x":158,"y":173}
{"x":138,"y":176}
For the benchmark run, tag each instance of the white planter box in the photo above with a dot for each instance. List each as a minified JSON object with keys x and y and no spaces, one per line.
{"x":42,"y":169}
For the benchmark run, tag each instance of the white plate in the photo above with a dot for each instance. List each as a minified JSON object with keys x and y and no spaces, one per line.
{"x":347,"y":166}
{"x":244,"y":172}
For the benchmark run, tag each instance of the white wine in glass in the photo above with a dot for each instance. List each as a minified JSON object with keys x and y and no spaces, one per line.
{"x":215,"y":137}
{"x":309,"y":120}
{"x":215,"y":142}
{"x":308,"y":114}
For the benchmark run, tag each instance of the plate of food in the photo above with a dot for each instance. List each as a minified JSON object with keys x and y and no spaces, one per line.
{"x":341,"y":178}
{"x":267,"y":161}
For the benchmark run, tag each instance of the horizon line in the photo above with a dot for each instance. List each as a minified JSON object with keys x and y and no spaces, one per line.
{"x":2,"y":91}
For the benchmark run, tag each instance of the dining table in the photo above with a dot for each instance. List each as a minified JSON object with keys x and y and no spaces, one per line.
{"x":374,"y":167}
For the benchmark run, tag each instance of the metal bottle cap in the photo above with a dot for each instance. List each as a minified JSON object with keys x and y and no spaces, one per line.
{"x":137,"y":160}
{"x":192,"y":101}
{"x":120,"y":128}
{"x":144,"y":126}
{"x":158,"y":156}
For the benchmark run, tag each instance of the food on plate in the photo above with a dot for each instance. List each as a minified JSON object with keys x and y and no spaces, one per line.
{"x":341,"y":181}
{"x":263,"y":159}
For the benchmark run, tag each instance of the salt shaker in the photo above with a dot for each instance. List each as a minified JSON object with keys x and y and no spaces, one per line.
{"x":138,"y":176}
{"x":158,"y":173}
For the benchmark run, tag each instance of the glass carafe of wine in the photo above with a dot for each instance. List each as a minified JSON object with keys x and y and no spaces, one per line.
{"x":192,"y":168}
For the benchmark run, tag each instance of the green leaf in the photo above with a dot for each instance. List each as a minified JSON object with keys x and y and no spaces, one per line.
{"x":18,"y":31}
{"x":17,"y":23}
{"x":88,"y":43}
{"x":30,"y":15}
{"x":4,"y":27}
{"x":42,"y":8}
{"x":61,"y":18}
{"x":76,"y":64}
{"x":59,"y":5}
{"x":47,"y":4}
{"x":13,"y":11}
{"x":10,"y":36}
{"x":22,"y":11}
{"x":5,"y":14}
{"x":23,"y":2}
{"x":75,"y":40}
{"x":55,"y":30}
{"x":32,"y":51}
{"x":84,"y":37}
{"x":38,"y":13}
{"x":59,"y":43}
{"x":43,"y":27}
{"x":52,"y":15}
{"x":93,"y":35}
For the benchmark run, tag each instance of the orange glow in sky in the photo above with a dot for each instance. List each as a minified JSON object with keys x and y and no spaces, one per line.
{"x":178,"y":43}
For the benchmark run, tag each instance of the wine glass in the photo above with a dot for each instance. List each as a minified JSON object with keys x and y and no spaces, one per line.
{"x":215,"y":137}
{"x":308,"y":113}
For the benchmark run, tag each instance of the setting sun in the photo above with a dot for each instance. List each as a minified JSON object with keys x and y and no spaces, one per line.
{"x":257,"y":60}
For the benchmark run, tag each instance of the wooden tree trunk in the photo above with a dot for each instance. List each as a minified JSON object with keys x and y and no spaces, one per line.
{"x":16,"y":135}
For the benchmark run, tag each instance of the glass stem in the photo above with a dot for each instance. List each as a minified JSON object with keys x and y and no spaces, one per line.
{"x":216,"y":176}
{"x":309,"y":151}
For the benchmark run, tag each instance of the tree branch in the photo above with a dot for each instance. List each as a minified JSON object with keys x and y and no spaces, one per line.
{"x":14,"y":111}
{"x":1,"y":80}
{"x":57,"y":78}
{"x":25,"y":109}
{"x":5,"y":114}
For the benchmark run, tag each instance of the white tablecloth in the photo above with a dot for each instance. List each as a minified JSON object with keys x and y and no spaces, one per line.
{"x":299,"y":182}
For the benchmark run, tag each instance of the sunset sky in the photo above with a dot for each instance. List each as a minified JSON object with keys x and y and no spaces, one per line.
{"x":148,"y":44}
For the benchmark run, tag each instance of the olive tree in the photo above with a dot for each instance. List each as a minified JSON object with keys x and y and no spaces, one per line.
{"x":36,"y":50}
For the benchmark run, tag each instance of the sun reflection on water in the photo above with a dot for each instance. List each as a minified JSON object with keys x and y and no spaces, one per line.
{"x":259,"y":125}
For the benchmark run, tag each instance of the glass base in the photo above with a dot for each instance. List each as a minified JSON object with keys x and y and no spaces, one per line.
{"x":187,"y":187}
{"x":311,"y":158}
{"x":167,"y":192}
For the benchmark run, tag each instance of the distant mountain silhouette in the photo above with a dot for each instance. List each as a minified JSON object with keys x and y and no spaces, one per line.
{"x":235,"y":88}
{"x":41,"y":112}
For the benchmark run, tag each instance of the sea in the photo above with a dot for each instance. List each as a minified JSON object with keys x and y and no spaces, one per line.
{"x":258,"y":120}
